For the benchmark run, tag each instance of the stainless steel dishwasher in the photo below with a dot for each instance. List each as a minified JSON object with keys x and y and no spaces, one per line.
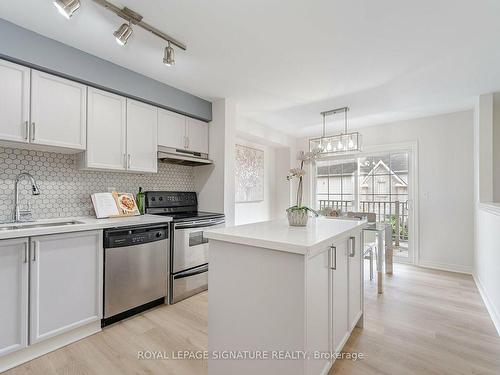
{"x":135,"y":270}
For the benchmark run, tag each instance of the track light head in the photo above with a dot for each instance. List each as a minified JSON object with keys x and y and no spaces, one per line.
{"x":67,"y":7}
{"x":123,"y":33}
{"x":169,"y":56}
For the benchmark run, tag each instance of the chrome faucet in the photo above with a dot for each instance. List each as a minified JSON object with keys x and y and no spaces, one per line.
{"x":24,"y":215}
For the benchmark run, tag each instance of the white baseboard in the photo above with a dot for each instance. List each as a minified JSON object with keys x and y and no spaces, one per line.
{"x":495,"y":316}
{"x":446,"y":267}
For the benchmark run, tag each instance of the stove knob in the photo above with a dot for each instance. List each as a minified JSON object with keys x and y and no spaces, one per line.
{"x":161,"y":198}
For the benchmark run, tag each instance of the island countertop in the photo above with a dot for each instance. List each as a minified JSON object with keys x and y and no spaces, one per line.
{"x":278,"y":235}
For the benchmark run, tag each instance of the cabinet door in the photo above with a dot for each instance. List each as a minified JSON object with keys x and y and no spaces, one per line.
{"x":65,"y":282}
{"x":318,"y":302}
{"x":14,"y":295}
{"x":106,"y":130}
{"x":171,"y":129}
{"x":340,"y":296}
{"x":355,"y":280}
{"x":58,"y":111}
{"x":197,"y":135}
{"x":142,"y":125}
{"x":14,"y":102}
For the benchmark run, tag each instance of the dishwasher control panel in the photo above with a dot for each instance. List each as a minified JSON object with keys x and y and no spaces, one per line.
{"x":131,"y":237}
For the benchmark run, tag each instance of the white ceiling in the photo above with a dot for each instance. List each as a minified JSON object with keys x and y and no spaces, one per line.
{"x":285,"y":61}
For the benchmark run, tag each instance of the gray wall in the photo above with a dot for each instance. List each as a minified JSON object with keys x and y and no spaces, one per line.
{"x":28,"y":48}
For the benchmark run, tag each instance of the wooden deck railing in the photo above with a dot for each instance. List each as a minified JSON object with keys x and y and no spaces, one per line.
{"x":395,"y":212}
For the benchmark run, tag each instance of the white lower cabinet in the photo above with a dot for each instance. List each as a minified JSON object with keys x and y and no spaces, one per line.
{"x":340,"y":295}
{"x":13,"y":295}
{"x":64,"y":274}
{"x":65,"y":283}
{"x":334,"y":299}
{"x":318,"y":310}
{"x":355,"y":270}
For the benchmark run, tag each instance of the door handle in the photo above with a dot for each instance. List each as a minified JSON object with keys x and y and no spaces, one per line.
{"x":333,"y":257}
{"x":352,"y":251}
{"x":26,"y":130}
{"x":129,"y":161}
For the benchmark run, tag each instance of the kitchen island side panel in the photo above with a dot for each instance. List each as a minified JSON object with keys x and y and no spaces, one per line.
{"x":256,"y":303}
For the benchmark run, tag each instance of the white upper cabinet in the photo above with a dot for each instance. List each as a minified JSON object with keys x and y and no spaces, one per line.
{"x":142,"y":139}
{"x":181,"y":132}
{"x":106,"y":131}
{"x":65,"y":283}
{"x":14,"y":295}
{"x":58,"y":111}
{"x":197,"y":135}
{"x":14,"y":102}
{"x":171,"y":129}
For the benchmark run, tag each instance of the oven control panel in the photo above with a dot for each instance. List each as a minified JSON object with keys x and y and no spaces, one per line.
{"x":170,"y":200}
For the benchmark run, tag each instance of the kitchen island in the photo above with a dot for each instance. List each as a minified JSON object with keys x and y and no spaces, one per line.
{"x":283,"y":300}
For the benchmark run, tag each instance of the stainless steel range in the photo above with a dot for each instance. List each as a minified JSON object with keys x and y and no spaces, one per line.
{"x":189,"y":248}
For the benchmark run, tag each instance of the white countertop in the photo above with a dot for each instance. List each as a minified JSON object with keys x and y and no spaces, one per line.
{"x":278,"y":235}
{"x":87,"y":223}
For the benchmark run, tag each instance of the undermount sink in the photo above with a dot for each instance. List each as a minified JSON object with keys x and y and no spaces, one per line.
{"x":29,"y":225}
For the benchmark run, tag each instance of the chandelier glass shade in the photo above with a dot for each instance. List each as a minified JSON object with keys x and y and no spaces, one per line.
{"x":335,"y":144}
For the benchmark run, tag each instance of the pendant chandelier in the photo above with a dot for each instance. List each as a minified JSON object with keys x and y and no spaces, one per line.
{"x":335,"y":144}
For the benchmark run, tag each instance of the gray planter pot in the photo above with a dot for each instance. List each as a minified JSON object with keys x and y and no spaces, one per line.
{"x":297,"y":218}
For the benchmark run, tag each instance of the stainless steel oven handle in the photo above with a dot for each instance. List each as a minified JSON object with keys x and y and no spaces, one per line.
{"x":193,"y":272}
{"x":198,"y":225}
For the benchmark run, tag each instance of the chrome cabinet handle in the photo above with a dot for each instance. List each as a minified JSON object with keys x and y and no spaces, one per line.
{"x":129,"y":161}
{"x":26,"y":130}
{"x":352,"y":251}
{"x":33,"y":125}
{"x":25,"y":252}
{"x":333,"y":257}
{"x":34,"y":251}
{"x":125,"y":164}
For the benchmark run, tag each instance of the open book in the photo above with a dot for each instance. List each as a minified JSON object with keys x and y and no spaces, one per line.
{"x":114,"y":205}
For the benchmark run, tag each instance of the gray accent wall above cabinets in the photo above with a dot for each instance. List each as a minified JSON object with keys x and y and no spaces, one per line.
{"x":34,"y":50}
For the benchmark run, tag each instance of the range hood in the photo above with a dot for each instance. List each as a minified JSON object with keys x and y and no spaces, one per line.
{"x":176,"y":156}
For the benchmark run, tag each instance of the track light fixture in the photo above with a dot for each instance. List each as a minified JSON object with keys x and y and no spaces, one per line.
{"x":67,"y":7}
{"x":168,"y":56}
{"x":123,"y":33}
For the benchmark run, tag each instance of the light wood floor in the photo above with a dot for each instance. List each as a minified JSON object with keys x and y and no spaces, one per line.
{"x":427,"y":322}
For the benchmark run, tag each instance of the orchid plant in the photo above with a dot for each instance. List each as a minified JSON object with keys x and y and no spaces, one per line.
{"x":298,"y":173}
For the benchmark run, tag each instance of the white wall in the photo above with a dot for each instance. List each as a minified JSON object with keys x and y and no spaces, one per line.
{"x":215,"y":183}
{"x":251,"y":212}
{"x":487,"y":215}
{"x":487,"y":259}
{"x":279,"y":157}
{"x":445,"y":188}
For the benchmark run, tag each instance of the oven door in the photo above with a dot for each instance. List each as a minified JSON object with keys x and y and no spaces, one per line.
{"x":190,"y":245}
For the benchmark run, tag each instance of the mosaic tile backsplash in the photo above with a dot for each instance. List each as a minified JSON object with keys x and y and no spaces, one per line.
{"x":65,"y":190}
